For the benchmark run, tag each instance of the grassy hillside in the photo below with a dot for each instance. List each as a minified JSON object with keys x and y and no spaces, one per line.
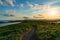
{"x":45,"y":31}
{"x":48,"y":31}
{"x":14,"y":32}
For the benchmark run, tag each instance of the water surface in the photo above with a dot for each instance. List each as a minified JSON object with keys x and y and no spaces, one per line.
{"x":5,"y":24}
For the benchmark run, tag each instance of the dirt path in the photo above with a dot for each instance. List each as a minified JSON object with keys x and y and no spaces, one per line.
{"x":30,"y":34}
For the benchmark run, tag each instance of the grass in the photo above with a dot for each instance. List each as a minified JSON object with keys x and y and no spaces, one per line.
{"x":45,"y":31}
{"x":13,"y":32}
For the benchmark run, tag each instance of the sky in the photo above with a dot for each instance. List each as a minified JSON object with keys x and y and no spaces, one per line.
{"x":33,"y":9}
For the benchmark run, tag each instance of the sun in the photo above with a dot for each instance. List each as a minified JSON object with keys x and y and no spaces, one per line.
{"x":52,"y":12}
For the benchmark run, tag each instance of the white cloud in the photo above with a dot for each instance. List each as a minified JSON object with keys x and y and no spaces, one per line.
{"x":13,"y":15}
{"x":35,"y":6}
{"x":1,"y":2}
{"x":10,"y":11}
{"x":39,"y":7}
{"x":7,"y":14}
{"x":10,"y":2}
{"x":21,"y":5}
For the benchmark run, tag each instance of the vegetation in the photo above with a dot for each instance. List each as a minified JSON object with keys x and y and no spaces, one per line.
{"x":14,"y":32}
{"x":48,"y":31}
{"x":45,"y":31}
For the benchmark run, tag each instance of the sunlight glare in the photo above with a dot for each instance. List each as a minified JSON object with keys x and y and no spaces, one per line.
{"x":52,"y":12}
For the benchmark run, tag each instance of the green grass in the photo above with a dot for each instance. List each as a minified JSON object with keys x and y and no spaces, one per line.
{"x":13,"y":32}
{"x":45,"y":31}
{"x":48,"y":32}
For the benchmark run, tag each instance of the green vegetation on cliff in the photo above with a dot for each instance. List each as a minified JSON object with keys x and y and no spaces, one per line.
{"x":45,"y":31}
{"x":14,"y":32}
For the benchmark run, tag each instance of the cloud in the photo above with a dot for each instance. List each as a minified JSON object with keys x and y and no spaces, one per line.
{"x":9,"y":13}
{"x":1,"y":2}
{"x":10,"y":2}
{"x":39,"y":7}
{"x":21,"y":5}
{"x":12,"y":14}
{"x":35,"y":6}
